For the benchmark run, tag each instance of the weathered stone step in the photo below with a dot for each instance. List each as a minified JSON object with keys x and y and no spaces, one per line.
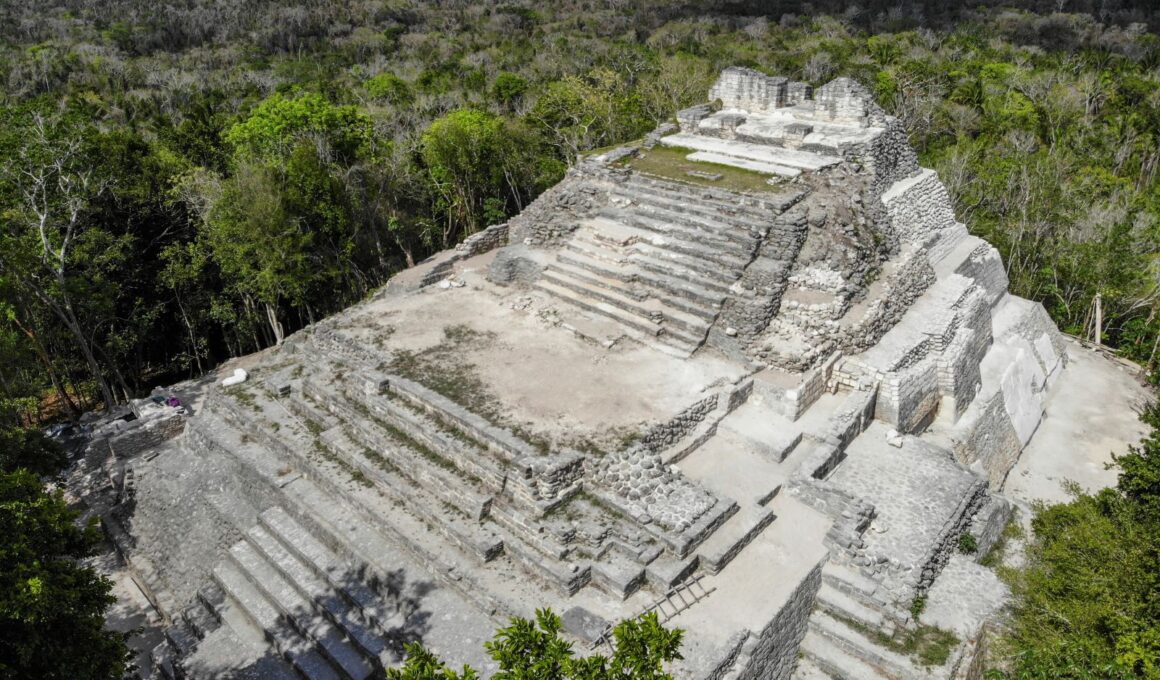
{"x":357,"y":529}
{"x":163,"y":658}
{"x":765,"y":202}
{"x":647,"y":329}
{"x":696,"y":201}
{"x":650,"y":308}
{"x":728,"y":229}
{"x":424,"y":492}
{"x":852,"y":582}
{"x":698,"y":267}
{"x":430,"y":499}
{"x":678,"y":294}
{"x":329,"y":601}
{"x":662,"y":232}
{"x":340,"y":575}
{"x":731,"y":537}
{"x":395,"y":427}
{"x":844,"y":606}
{"x":619,"y":232}
{"x":263,"y":614}
{"x":806,"y":670}
{"x":834,"y":661}
{"x":667,"y":571}
{"x":691,"y":290}
{"x":394,"y":464}
{"x":618,"y":575}
{"x":855,"y":644}
{"x":669,"y":274}
{"x":618,"y":229}
{"x":956,"y":256}
{"x":623,"y":285}
{"x":592,"y":244}
{"x":199,"y":618}
{"x":299,"y":612}
{"x":308,"y":412}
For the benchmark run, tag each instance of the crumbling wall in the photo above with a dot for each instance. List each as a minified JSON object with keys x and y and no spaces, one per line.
{"x":985,"y":266}
{"x":756,"y":297}
{"x":668,"y":433}
{"x":145,"y":434}
{"x":557,"y":212}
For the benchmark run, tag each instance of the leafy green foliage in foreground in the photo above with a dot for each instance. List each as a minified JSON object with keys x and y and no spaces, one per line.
{"x":534,"y":650}
{"x":1088,"y":601}
{"x":51,"y":607}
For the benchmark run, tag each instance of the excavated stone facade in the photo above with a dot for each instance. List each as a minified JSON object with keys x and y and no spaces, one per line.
{"x":765,"y":402}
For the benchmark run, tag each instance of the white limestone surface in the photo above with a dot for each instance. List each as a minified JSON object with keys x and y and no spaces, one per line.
{"x":802,"y":160}
{"x":744,"y":163}
{"x":1021,"y":381}
{"x":964,"y":596}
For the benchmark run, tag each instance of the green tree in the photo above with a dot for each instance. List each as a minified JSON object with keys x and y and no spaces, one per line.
{"x":51,"y":607}
{"x":466,"y":153}
{"x":534,"y":650}
{"x":509,"y":89}
{"x":390,"y":88}
{"x":1087,"y":603}
{"x":51,"y":183}
{"x":29,"y":449}
{"x":261,"y":251}
{"x":277,"y":125}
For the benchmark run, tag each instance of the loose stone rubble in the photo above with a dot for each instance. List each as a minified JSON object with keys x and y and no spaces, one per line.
{"x":796,"y":397}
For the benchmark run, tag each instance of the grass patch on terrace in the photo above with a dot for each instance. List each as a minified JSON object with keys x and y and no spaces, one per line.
{"x":443,"y":369}
{"x":671,"y":163}
{"x":929,"y":645}
{"x":353,"y":472}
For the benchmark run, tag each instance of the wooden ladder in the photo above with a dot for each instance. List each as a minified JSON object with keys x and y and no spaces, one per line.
{"x":678,"y":598}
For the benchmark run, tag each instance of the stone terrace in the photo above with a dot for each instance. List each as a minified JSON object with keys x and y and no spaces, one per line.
{"x":765,"y":396}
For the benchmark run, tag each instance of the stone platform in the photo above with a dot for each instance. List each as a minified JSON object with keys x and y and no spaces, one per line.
{"x":788,"y":375}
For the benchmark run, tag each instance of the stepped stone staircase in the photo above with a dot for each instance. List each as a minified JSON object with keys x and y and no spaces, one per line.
{"x":658,"y":264}
{"x":840,"y":640}
{"x":310,"y":576}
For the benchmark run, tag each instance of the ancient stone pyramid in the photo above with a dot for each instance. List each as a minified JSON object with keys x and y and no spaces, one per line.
{"x":750,"y":372}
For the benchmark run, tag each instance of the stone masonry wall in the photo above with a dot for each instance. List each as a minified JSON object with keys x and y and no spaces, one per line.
{"x":558,"y":211}
{"x":908,"y":399}
{"x":743,"y":88}
{"x":901,"y":288}
{"x":772,"y":655}
{"x":484,"y":241}
{"x":919,"y":207}
{"x":146,"y":434}
{"x":986,"y":266}
{"x":666,"y":434}
{"x":985,"y":435}
{"x":757,"y":296}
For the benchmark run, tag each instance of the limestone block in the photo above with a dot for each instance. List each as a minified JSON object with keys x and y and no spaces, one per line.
{"x":749,"y":90}
{"x":843,"y":99}
{"x":1022,"y":384}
